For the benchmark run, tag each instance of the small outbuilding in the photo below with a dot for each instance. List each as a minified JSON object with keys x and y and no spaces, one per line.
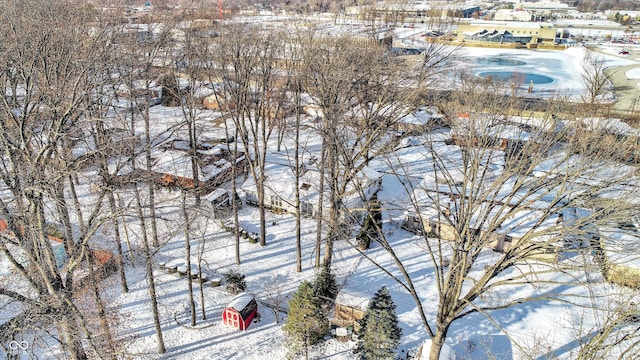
{"x":350,"y":308}
{"x":220,"y":200}
{"x":240,"y":311}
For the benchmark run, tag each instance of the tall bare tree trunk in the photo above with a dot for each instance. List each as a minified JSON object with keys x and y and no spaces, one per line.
{"x":263,"y":215}
{"x":320,"y":213}
{"x":61,"y":205}
{"x":150,"y":184}
{"x":201,"y":246}
{"x":297,"y":176}
{"x":187,"y":259}
{"x":234,"y":189}
{"x":148,"y":255}
{"x":100,"y":140}
{"x":102,"y":311}
{"x":334,"y":201}
{"x":71,"y":342}
{"x":118,"y":240}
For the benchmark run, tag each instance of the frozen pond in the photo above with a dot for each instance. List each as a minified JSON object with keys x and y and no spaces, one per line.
{"x":517,"y":77}
{"x":551,"y":71}
{"x":510,"y":70}
{"x":548,"y":70}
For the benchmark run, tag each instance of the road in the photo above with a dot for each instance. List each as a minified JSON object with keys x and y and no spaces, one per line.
{"x":626,"y":90}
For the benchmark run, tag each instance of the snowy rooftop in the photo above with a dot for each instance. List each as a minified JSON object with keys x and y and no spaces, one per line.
{"x":280,"y":179}
{"x":240,"y":301}
{"x":612,"y":126}
{"x":513,"y":24}
{"x":422,"y":116}
{"x":353,"y":298}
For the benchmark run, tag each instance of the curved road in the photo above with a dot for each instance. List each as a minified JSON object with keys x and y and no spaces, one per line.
{"x":627,"y":91}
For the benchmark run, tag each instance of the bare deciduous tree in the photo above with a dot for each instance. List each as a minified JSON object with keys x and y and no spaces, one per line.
{"x":50,"y":65}
{"x":357,"y":92}
{"x":594,"y":77}
{"x":511,"y":185}
{"x":248,"y":64}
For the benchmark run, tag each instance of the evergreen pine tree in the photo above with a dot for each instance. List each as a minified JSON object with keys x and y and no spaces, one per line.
{"x":380,"y":331}
{"x":325,"y":288}
{"x":306,"y":323}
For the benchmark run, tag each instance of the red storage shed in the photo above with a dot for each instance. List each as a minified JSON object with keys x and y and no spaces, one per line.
{"x":240,"y":311}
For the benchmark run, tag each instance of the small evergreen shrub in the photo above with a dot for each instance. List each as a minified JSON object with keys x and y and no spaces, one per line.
{"x":325,"y":288}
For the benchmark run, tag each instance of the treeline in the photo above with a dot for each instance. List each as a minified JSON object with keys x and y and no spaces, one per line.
{"x":603,"y":5}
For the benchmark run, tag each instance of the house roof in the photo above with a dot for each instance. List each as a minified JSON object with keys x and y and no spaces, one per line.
{"x":215,"y":194}
{"x":446,"y":169}
{"x":591,"y":176}
{"x":510,"y":132}
{"x":178,"y":163}
{"x":507,"y":24}
{"x":610,"y":126}
{"x":353,"y":298}
{"x":422,"y":116}
{"x":543,"y":225}
{"x":240,"y":301}
{"x":174,"y":162}
{"x":280,"y":180}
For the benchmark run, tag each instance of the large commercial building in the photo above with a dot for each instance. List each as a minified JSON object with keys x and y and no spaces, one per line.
{"x":507,"y":32}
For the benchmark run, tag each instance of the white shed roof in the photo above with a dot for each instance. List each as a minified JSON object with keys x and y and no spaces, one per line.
{"x":240,"y":301}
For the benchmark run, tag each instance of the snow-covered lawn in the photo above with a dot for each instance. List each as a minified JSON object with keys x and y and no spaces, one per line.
{"x":550,"y":323}
{"x":633,"y":74}
{"x":264,"y":267}
{"x":542,"y":328}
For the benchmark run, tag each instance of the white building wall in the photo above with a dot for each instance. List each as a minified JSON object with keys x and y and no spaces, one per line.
{"x":512,"y":15}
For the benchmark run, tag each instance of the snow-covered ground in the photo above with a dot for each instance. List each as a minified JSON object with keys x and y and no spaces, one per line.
{"x":543,"y":328}
{"x":633,"y":74}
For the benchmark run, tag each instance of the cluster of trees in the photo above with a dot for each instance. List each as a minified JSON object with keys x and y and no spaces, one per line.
{"x":595,"y":5}
{"x":74,"y":116}
{"x":307,"y":322}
